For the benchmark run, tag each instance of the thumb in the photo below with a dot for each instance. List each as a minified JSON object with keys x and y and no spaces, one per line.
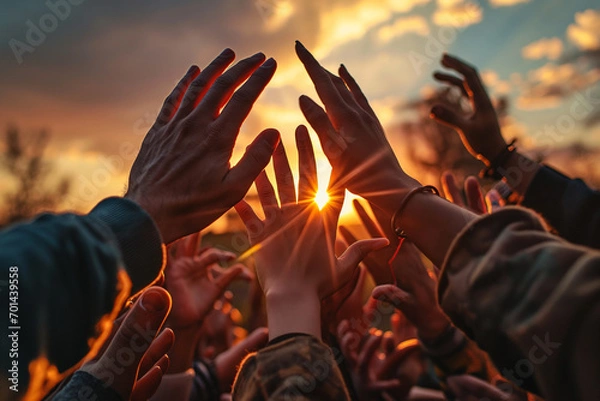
{"x":445,"y":116}
{"x":255,"y":159}
{"x":356,"y":252}
{"x":118,"y":366}
{"x":391,"y":294}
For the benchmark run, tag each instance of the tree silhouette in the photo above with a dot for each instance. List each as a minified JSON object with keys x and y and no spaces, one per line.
{"x":29,"y":171}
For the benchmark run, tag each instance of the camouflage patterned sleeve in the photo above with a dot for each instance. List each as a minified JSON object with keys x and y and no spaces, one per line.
{"x":298,"y":368}
{"x":529,"y":299}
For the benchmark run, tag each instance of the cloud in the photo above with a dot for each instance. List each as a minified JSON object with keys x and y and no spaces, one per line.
{"x":404,"y":6}
{"x":494,"y":83}
{"x":344,"y":22}
{"x":550,"y":48}
{"x":457,"y":13}
{"x":506,"y":3}
{"x":402,"y":26}
{"x":549,"y":85}
{"x":585,"y":32}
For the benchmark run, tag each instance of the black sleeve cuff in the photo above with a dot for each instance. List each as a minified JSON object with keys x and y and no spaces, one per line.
{"x":84,"y":386}
{"x":138,"y":238}
{"x":545,"y":193}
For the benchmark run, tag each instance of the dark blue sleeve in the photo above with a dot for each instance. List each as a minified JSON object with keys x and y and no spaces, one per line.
{"x":568,"y":205}
{"x":67,"y":269}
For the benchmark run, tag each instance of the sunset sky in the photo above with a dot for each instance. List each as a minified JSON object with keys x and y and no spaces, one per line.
{"x":98,"y":77}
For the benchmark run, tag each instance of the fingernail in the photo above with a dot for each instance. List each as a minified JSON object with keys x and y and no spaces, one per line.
{"x":258,"y":55}
{"x":300,"y":45}
{"x":154,"y":301}
{"x":269,"y":63}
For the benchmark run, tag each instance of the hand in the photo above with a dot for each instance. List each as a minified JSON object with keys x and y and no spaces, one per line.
{"x":473,"y":194}
{"x":378,"y":262}
{"x":220,"y":330}
{"x":480,"y":132}
{"x":352,"y":138}
{"x":196,"y":281}
{"x":295,"y":261}
{"x":226,"y":363}
{"x":182,"y":176}
{"x":139,"y":376}
{"x":378,"y":369}
{"x":415,"y":296}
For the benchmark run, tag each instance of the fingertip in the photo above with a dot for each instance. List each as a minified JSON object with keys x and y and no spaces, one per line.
{"x":228,"y":52}
{"x":380,"y":243}
{"x":272,"y":136}
{"x":263,"y":331}
{"x":155,"y":299}
{"x":271,"y":63}
{"x":471,"y":183}
{"x":302,"y":134}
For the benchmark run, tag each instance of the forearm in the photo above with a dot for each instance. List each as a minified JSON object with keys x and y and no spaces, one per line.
{"x":293,"y":312}
{"x":431,"y":223}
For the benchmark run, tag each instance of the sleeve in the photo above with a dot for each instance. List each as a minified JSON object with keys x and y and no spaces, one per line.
{"x":454,"y":354}
{"x":85,"y":387}
{"x":61,"y":275}
{"x":568,"y":205}
{"x":297,"y":368}
{"x":530,"y":300}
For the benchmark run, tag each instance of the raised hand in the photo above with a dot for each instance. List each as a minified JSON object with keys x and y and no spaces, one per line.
{"x":182,"y":176}
{"x":415,"y":296}
{"x":378,"y":368}
{"x":480,"y":131}
{"x":472,"y":193}
{"x":378,"y":262}
{"x":138,"y":377}
{"x":295,"y":260}
{"x":227,"y":362}
{"x":195,"y":281}
{"x":351,"y":136}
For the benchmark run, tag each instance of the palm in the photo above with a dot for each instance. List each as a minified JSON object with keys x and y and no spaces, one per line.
{"x":195,"y":280}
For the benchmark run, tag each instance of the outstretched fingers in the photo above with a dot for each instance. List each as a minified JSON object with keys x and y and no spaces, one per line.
{"x":172,"y":102}
{"x":307,"y":184}
{"x":284,"y":177}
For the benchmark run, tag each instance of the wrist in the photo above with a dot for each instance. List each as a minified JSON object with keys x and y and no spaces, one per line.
{"x":181,"y":355}
{"x":389,"y":196}
{"x":293,"y":311}
{"x":434,"y":328}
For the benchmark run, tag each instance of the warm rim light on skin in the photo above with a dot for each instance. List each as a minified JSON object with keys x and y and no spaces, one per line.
{"x":321,"y":198}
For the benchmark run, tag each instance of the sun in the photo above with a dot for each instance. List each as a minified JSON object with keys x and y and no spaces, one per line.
{"x":321,"y":198}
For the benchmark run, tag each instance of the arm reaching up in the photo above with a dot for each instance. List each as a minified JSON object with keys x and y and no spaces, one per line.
{"x":182,"y":176}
